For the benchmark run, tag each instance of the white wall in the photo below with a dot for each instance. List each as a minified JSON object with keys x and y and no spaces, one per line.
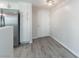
{"x":40,"y":22}
{"x":65,"y":25}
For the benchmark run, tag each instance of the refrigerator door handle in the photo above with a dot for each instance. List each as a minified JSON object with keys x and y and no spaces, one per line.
{"x":3,"y":21}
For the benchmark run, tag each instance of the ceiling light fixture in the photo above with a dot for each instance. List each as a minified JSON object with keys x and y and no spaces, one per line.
{"x":50,"y":2}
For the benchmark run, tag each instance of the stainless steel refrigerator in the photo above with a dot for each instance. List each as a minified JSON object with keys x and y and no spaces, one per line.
{"x":10,"y":17}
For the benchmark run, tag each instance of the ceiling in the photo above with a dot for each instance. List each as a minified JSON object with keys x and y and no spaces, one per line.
{"x":43,"y":3}
{"x":39,"y":3}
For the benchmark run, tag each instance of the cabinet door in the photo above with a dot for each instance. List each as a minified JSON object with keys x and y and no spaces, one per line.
{"x":24,"y":25}
{"x":23,"y":22}
{"x":29,"y":21}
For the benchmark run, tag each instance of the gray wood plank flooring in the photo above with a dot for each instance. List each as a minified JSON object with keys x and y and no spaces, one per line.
{"x":42,"y":48}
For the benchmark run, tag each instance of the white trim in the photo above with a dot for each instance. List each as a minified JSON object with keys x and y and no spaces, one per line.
{"x":39,"y":37}
{"x":35,"y":37}
{"x":65,"y":46}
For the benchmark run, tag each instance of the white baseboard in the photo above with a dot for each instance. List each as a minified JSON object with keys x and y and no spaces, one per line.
{"x":65,"y":46}
{"x":35,"y":37}
{"x":39,"y":37}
